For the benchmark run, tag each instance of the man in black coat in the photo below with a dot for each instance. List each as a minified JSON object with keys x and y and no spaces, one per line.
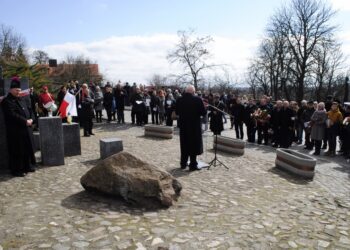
{"x":19,"y":121}
{"x":305,"y":119}
{"x":263,"y":121}
{"x":237,"y":111}
{"x":189,"y":109}
{"x":275,"y":123}
{"x":138,"y":107}
{"x":87,"y":110}
{"x":249,"y":120}
{"x":119,"y":96}
{"x":286,"y":124}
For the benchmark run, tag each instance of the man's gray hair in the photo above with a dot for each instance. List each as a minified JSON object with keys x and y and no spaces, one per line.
{"x":190,"y":89}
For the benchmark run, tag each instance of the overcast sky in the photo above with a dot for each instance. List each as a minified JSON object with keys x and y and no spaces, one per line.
{"x":130,"y":39}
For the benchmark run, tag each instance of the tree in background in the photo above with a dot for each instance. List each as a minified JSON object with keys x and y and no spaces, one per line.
{"x":12,"y":45}
{"x":299,"y":56}
{"x":14,"y":60}
{"x":193,"y":54}
{"x":158,"y":80}
{"x":40,"y":57}
{"x":36,"y":73}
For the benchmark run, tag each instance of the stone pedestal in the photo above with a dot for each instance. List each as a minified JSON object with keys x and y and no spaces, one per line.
{"x":71,"y":138}
{"x":51,"y":141}
{"x":297,"y":163}
{"x":36,"y":136}
{"x":165,"y":132}
{"x":4,"y":158}
{"x":110,"y":147}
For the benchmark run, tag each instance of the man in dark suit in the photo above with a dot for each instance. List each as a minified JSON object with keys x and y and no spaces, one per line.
{"x":189,"y":109}
{"x":19,"y":120}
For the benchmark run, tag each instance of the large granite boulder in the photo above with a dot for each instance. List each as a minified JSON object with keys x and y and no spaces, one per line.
{"x":136,"y":181}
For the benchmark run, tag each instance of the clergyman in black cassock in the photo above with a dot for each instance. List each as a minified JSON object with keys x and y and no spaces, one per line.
{"x":19,"y":120}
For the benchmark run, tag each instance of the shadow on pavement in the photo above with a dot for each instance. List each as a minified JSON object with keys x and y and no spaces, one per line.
{"x":5,"y":175}
{"x":178,"y":172}
{"x":152,"y":138}
{"x":95,"y":202}
{"x":92,"y":163}
{"x":111,"y":127}
{"x":295,"y":179}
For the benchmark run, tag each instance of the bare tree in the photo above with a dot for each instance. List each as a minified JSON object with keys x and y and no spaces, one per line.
{"x":192,"y":53}
{"x":12,"y":45}
{"x":305,"y":24}
{"x":40,"y":57}
{"x":299,"y":55}
{"x":158,"y":80}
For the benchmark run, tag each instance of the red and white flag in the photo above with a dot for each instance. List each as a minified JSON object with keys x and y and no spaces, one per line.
{"x":24,"y":92}
{"x":68,"y":106}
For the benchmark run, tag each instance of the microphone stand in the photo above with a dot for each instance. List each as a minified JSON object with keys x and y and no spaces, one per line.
{"x":216,"y":162}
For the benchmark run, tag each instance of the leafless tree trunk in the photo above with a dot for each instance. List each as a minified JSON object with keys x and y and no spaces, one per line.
{"x":192,"y":53}
{"x":40,"y":57}
{"x":305,"y":24}
{"x":11,"y":44}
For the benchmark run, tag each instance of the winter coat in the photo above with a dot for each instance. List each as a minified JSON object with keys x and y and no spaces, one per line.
{"x":98,"y":101}
{"x":189,"y":109}
{"x":318,"y":120}
{"x":216,"y":118}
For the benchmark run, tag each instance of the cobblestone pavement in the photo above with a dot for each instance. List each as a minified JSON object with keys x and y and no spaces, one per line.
{"x":250,"y":206}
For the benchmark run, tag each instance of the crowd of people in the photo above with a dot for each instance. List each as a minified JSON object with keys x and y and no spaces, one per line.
{"x":319,"y":125}
{"x":281,"y":123}
{"x":277,"y":123}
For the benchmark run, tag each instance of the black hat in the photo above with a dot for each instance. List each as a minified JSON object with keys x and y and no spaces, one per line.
{"x":310,"y":102}
{"x":15,"y":83}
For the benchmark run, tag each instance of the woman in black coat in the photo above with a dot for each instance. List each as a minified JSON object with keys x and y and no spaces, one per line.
{"x":169,"y":108}
{"x":216,"y":117}
{"x":108,"y":102}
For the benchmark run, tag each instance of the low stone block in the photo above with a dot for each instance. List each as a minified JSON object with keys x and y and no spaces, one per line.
{"x":164,"y":132}
{"x":229,"y":145}
{"x":110,"y":147}
{"x":297,"y":163}
{"x":51,"y":141}
{"x":36,"y":136}
{"x":71,"y":139}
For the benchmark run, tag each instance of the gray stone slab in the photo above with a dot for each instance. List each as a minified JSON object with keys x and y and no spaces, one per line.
{"x":110,"y":147}
{"x":71,"y":138}
{"x":4,"y":158}
{"x":51,"y":141}
{"x":36,"y":136}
